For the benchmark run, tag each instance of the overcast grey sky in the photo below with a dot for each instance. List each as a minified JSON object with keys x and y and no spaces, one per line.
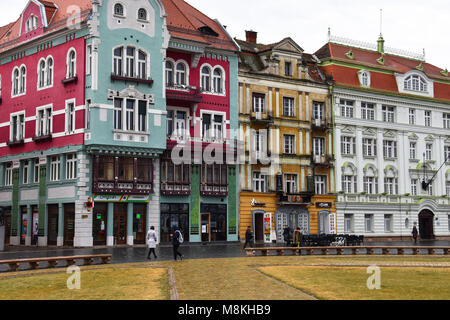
{"x":407,"y":24}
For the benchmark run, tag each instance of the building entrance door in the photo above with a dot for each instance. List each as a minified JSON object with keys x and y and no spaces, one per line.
{"x":7,"y":215}
{"x":259,"y":227}
{"x":426,"y":218}
{"x":120,"y":223}
{"x":99,"y":223}
{"x":324,"y":222}
{"x":206,"y":227}
{"x":139,"y":223}
{"x":24,"y":224}
{"x":69,"y":224}
{"x":52,"y":224}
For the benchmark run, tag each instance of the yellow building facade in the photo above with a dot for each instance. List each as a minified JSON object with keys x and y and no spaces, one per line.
{"x":285,"y":123}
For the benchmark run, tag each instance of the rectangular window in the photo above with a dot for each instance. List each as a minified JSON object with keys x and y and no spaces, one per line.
{"x":259,"y":103}
{"x":412,"y":116}
{"x":446,"y":120}
{"x":414,"y":187}
{"x":70,"y":117}
{"x":391,"y":186}
{"x":321,"y":184}
{"x":25,"y":172}
{"x":106,"y":169}
{"x":142,"y":116}
{"x":9,"y":174}
{"x":447,"y":153}
{"x":368,"y":222}
{"x":429,"y":151}
{"x":427,"y":115}
{"x":214,"y":174}
{"x":88,"y":59}
{"x":389,"y":149}
{"x":126,"y":172}
{"x":348,"y":223}
{"x":370,"y":185}
{"x":206,"y":126}
{"x":218,"y":127}
{"x":55,"y":165}
{"x":36,"y":171}
{"x":388,"y":114}
{"x":288,"y":107}
{"x":130,"y":62}
{"x":412,"y":150}
{"x":145,"y":170}
{"x":71,"y":166}
{"x":129,"y":115}
{"x":318,"y":111}
{"x":118,"y":105}
{"x":290,"y":183}
{"x":347,"y":108}
{"x":369,"y":147}
{"x":289,"y":144}
{"x":118,"y":61}
{"x":260,"y":182}
{"x":180,"y":124}
{"x":44,"y":122}
{"x":367,"y":111}
{"x":319,"y":147}
{"x":388,"y":223}
{"x":430,"y":189}
{"x":288,"y":69}
{"x":17,"y":131}
{"x":348,"y":146}
{"x":349,"y":184}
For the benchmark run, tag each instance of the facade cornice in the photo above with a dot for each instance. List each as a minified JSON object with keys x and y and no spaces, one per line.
{"x":280,"y":82}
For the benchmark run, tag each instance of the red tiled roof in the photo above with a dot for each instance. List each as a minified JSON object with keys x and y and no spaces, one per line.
{"x":56,"y":9}
{"x":369,"y":58}
{"x":184,"y":21}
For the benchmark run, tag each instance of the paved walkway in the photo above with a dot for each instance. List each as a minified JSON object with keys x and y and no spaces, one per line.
{"x":125,"y":254}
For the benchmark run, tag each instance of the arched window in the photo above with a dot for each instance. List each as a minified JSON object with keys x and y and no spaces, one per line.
{"x":41,"y":74}
{"x":206,"y":79}
{"x":49,"y":71}
{"x":181,"y":74}
{"x":142,"y":65}
{"x":370,"y":180}
{"x":16,"y":80}
{"x":142,"y":14}
{"x":169,"y":73}
{"x":71,"y":64}
{"x":130,"y":61}
{"x":23,"y":80}
{"x":415,"y":83}
{"x":118,"y":10}
{"x":217,"y":80}
{"x":118,"y":61}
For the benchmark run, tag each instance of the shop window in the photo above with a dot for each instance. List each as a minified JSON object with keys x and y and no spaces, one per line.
{"x":106,"y":169}
{"x":126,"y":169}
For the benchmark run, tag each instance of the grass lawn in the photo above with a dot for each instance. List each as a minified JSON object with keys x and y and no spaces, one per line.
{"x":111,"y":283}
{"x":331,"y":283}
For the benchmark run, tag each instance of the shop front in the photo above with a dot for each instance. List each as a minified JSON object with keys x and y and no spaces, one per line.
{"x":213,"y":222}
{"x":99,"y":223}
{"x":292,"y":216}
{"x":69,"y":224}
{"x":52,"y":226}
{"x":174,"y":215}
{"x":7,"y":217}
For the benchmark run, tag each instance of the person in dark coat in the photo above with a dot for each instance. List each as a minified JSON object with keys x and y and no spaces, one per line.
{"x":287,"y":235}
{"x":414,"y":234}
{"x":297,"y":238}
{"x":248,"y":237}
{"x":176,"y":241}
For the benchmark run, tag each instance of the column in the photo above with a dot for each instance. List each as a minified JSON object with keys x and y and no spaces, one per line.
{"x":380,"y":161}
{"x":42,"y":233}
{"x":60,"y":239}
{"x":110,"y":225}
{"x":15,"y":214}
{"x":29,"y":225}
{"x":232,"y":207}
{"x":277,"y":105}
{"x":359,"y":160}
{"x":307,"y":108}
{"x":339,"y":160}
{"x":194,"y":208}
{"x":130,"y":237}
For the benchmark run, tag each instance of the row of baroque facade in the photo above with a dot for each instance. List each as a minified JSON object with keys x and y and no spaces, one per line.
{"x":119,"y":116}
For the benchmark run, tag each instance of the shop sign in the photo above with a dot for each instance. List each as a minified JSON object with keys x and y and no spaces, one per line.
{"x":257,"y":204}
{"x":120,"y":198}
{"x":42,"y":160}
{"x":295,"y":199}
{"x":16,"y":164}
{"x":324,"y":205}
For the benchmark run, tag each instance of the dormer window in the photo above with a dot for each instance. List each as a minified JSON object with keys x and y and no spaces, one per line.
{"x":31,"y":23}
{"x":415,"y":83}
{"x":118,"y":10}
{"x":142,"y":14}
{"x":364,"y":78}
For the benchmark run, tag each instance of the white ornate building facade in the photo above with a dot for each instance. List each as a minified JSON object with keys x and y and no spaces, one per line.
{"x":392,"y":142}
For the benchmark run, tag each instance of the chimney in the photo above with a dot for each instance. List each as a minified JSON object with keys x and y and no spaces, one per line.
{"x":251,"y":36}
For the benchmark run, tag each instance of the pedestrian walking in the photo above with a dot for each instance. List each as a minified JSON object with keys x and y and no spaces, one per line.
{"x":177,"y":239}
{"x":248,"y":237}
{"x":297,"y":238}
{"x":151,"y":242}
{"x":414,"y":234}
{"x":287,"y":235}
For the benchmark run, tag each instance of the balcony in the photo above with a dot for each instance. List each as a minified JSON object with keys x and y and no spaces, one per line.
{"x":68,"y":80}
{"x":261,"y":117}
{"x":175,"y":189}
{"x":122,"y":187}
{"x":213,"y":190}
{"x":322,"y":160}
{"x":42,"y":138}
{"x":15,"y":143}
{"x":183,"y":93}
{"x":135,"y":79}
{"x":320,"y":124}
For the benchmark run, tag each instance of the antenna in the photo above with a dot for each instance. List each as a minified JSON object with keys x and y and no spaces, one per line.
{"x":381,"y":22}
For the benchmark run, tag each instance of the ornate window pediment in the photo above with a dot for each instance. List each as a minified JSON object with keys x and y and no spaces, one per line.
{"x":348,"y":130}
{"x":413,"y":137}
{"x":389,"y":134}
{"x":131,"y":92}
{"x":369,"y":132}
{"x":429,"y":138}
